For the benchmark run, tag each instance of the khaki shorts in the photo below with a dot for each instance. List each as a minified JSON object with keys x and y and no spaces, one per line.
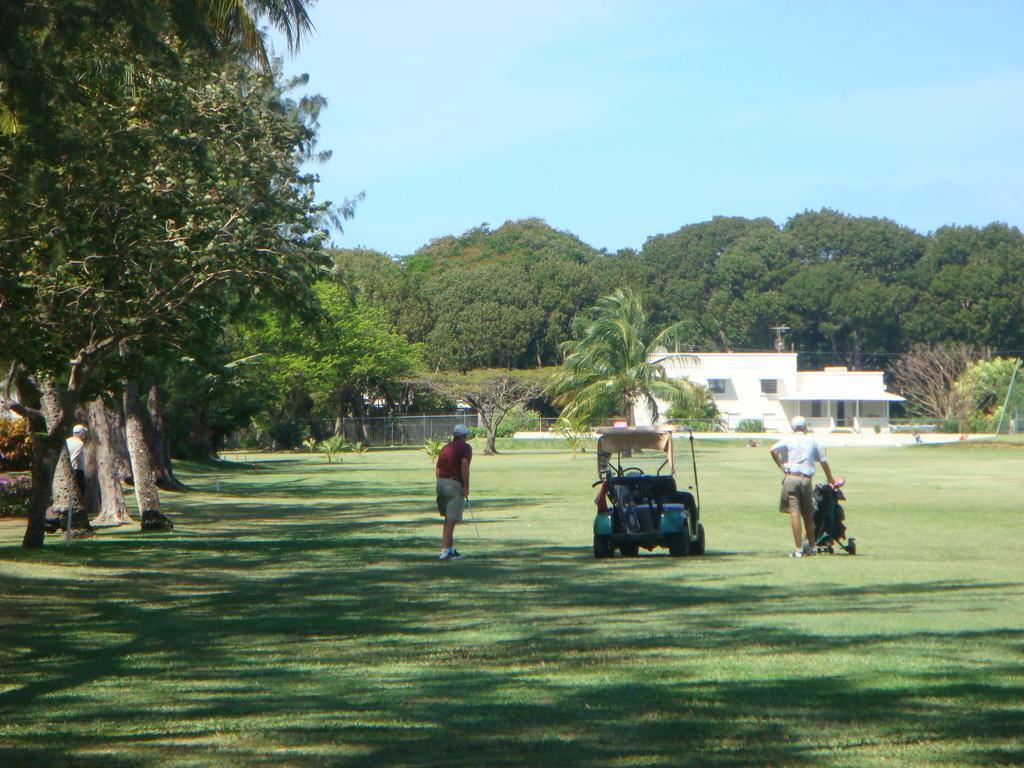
{"x":449,"y":499}
{"x":796,"y":495}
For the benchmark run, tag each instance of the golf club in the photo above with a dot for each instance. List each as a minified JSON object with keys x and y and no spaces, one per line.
{"x":473,"y":518}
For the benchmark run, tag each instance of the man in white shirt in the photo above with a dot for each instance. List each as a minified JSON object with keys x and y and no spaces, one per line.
{"x":76,"y":448}
{"x":795,"y":456}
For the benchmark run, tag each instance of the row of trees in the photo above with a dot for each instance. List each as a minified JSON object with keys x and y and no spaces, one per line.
{"x":853,"y":290}
{"x":151,"y":187}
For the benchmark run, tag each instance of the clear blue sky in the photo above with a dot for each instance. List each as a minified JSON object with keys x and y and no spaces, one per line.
{"x":621,"y":120}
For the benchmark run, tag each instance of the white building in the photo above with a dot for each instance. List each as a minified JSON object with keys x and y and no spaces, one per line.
{"x":768,"y":387}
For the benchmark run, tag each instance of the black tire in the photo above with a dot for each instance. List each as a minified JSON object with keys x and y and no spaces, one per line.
{"x":603,"y":546}
{"x":698,"y":545}
{"x":851,"y":547}
{"x":678,"y":544}
{"x":629,"y":549}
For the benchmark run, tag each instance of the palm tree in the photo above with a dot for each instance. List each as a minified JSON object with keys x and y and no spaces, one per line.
{"x":608,"y":367}
{"x":237,"y":21}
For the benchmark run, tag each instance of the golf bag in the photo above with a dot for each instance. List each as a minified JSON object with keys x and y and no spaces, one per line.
{"x":830,"y":519}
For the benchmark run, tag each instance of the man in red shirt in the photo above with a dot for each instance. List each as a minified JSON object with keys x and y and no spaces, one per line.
{"x":452,"y":473}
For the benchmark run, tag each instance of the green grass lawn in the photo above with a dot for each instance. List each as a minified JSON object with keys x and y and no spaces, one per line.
{"x":299,"y":617}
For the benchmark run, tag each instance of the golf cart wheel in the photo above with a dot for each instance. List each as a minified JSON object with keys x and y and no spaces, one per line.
{"x":678,"y":544}
{"x":629,"y":549}
{"x":851,"y":547}
{"x":698,"y":546}
{"x":603,"y":546}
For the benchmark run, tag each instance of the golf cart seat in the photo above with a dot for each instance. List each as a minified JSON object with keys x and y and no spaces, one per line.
{"x":644,"y":486}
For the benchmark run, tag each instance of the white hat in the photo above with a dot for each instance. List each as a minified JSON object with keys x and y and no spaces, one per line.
{"x":79,"y":429}
{"x":798,"y":422}
{"x":461,"y":430}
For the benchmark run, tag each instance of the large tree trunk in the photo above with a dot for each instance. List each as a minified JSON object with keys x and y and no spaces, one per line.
{"x":45,"y":454}
{"x":47,"y":445}
{"x":143,"y":470}
{"x":157,"y":437}
{"x":105,"y":475}
{"x":118,"y":442}
{"x":490,"y":424}
{"x":66,"y":493}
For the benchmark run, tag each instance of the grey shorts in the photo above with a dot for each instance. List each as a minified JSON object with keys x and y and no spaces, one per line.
{"x":449,"y":499}
{"x":796,"y":495}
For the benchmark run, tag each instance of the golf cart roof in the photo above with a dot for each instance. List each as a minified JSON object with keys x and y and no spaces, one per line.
{"x":618,"y":439}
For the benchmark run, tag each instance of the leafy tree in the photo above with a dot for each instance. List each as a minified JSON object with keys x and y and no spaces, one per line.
{"x":35,"y":79}
{"x":502,"y":298}
{"x":146,"y":210}
{"x":985,"y":385}
{"x":726,"y":260}
{"x":970,"y":286}
{"x":608,"y":368}
{"x":343,"y":364}
{"x":491,"y":393}
{"x":382,"y":282}
{"x":846,"y":289}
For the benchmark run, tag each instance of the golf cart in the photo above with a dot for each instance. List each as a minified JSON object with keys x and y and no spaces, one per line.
{"x":639,"y":507}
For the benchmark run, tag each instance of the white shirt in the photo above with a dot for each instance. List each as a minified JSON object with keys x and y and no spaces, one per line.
{"x":75,"y":448}
{"x":799,"y":452}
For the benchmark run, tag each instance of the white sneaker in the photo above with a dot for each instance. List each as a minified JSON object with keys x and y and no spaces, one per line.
{"x":444,"y":555}
{"x":797,"y":553}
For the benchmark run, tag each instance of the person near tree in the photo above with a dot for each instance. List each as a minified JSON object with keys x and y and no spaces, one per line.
{"x":452,"y":474}
{"x":76,"y":452}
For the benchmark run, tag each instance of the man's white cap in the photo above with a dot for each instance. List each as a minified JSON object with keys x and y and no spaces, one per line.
{"x":798,"y":422}
{"x":461,"y":430}
{"x":79,"y":429}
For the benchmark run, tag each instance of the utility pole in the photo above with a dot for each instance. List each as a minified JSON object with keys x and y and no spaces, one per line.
{"x":779,"y":330}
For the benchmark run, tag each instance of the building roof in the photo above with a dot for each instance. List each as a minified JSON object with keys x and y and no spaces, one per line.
{"x":842,"y":393}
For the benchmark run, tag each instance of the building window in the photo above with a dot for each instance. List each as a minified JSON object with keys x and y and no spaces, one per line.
{"x":769,"y":386}
{"x":815,"y":409}
{"x":717,"y":386}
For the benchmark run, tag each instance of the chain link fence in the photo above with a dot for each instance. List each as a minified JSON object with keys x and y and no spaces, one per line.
{"x":401,"y":430}
{"x":415,"y":430}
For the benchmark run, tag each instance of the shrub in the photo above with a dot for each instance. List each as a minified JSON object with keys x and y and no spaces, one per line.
{"x":332,"y":446}
{"x":574,"y":430}
{"x":15,"y":444}
{"x":518,"y":419}
{"x":432,"y":447}
{"x":15,"y":495}
{"x":695,"y":404}
{"x":750,"y":425}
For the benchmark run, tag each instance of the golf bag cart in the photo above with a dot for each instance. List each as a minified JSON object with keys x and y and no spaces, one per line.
{"x":643,"y":508}
{"x":829,"y":519}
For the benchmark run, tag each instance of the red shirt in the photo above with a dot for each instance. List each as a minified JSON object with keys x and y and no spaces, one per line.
{"x":449,"y":462}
